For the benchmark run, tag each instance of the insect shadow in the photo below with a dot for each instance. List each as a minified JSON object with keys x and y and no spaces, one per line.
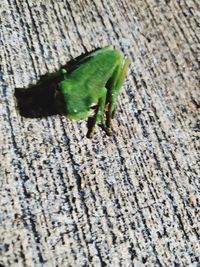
{"x":38,"y":101}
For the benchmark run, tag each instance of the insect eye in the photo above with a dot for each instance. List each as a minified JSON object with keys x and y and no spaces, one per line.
{"x":93,"y":107}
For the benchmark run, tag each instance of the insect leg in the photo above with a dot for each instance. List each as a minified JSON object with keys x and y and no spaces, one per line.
{"x":99,"y":114}
{"x":115,"y":86}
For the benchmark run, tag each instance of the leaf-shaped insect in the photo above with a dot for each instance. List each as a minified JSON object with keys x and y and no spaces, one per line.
{"x":91,"y":90}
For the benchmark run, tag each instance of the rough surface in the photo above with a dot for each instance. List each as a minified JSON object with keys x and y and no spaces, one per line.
{"x":127,"y":200}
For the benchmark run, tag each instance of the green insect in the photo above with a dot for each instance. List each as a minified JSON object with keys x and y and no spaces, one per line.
{"x":91,"y":90}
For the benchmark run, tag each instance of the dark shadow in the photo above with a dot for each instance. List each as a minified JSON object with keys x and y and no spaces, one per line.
{"x":37,"y":100}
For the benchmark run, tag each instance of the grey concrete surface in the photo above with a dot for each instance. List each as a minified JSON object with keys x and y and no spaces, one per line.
{"x":131,"y":199}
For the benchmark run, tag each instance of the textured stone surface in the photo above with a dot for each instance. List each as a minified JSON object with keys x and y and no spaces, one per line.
{"x":127,"y":200}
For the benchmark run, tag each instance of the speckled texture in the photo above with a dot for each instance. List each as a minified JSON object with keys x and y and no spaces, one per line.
{"x":127,"y":200}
